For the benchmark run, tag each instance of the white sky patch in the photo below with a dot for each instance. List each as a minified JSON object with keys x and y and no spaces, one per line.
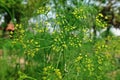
{"x":69,"y":3}
{"x":24,"y":2}
{"x":50,"y":29}
{"x":1,"y":19}
{"x":32,"y":21}
{"x":51,"y":14}
{"x":115,"y":31}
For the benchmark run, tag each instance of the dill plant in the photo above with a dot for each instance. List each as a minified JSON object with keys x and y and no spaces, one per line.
{"x":67,"y":53}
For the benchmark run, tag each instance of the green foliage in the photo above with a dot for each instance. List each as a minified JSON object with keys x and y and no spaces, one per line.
{"x":66,"y":53}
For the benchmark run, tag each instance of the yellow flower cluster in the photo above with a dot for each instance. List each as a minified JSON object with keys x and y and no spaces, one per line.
{"x":58,"y":73}
{"x":43,"y":10}
{"x":89,"y":64}
{"x":75,"y":41}
{"x":69,"y":28}
{"x":79,"y":14}
{"x":30,"y":45}
{"x":84,"y":63}
{"x":49,"y":70}
{"x":99,"y":22}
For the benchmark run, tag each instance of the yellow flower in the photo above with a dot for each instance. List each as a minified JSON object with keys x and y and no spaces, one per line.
{"x":64,"y":45}
{"x":32,"y":54}
{"x":40,"y":30}
{"x":84,"y":17}
{"x":22,"y":31}
{"x":106,"y":17}
{"x":55,"y":39}
{"x":57,"y":15}
{"x":27,"y":41}
{"x":45,"y":69}
{"x":79,"y":45}
{"x":31,"y":40}
{"x":100,"y":15}
{"x":24,"y":46}
{"x":81,"y":10}
{"x":13,"y":42}
{"x":78,"y":58}
{"x":89,"y":60}
{"x":11,"y":32}
{"x":58,"y":73}
{"x":36,"y":42}
{"x":10,"y":35}
{"x":99,"y":61}
{"x":17,"y":25}
{"x":37,"y":49}
{"x":86,"y":55}
{"x":44,"y":78}
{"x":84,"y":30}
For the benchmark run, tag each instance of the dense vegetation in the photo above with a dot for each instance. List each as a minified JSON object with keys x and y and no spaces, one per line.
{"x":61,"y":43}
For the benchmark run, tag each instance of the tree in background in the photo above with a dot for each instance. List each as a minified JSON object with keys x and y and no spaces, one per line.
{"x":110,"y":11}
{"x":19,"y":9}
